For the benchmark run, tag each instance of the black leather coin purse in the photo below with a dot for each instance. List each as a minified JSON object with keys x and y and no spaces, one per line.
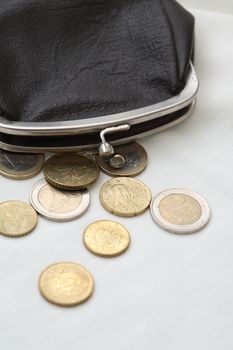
{"x":74,"y":73}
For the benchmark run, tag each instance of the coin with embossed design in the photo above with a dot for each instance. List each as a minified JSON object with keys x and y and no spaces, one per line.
{"x":56,"y":204}
{"x":180,"y":211}
{"x":17,"y":218}
{"x":66,"y":284}
{"x":71,"y":171}
{"x":20,"y":166}
{"x":135,"y":160}
{"x":106,"y":238}
{"x":124,"y":196}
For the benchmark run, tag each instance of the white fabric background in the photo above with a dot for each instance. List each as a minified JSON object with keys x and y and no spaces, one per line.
{"x":167,"y":292}
{"x":224,"y":6}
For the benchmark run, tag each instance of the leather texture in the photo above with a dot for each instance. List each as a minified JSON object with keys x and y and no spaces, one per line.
{"x":75,"y":59}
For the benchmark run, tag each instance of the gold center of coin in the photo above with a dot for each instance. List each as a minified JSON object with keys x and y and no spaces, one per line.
{"x":125,"y":196}
{"x":17,"y":218}
{"x":106,"y":238}
{"x":180,"y":209}
{"x":59,"y":201}
{"x":66,"y":284}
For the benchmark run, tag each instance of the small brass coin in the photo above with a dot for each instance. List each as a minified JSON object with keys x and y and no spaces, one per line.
{"x":20,"y":166}
{"x":125,"y":196}
{"x":71,"y":171}
{"x":135,"y":161}
{"x":180,"y":211}
{"x":56,"y":204}
{"x":106,"y":238}
{"x":66,"y":284}
{"x":17,"y":218}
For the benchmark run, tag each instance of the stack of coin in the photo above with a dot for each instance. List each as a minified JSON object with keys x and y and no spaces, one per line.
{"x":63,"y":195}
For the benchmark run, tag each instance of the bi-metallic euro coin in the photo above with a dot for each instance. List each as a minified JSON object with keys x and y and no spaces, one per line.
{"x":56,"y":204}
{"x":180,"y":211}
{"x":20,"y":166}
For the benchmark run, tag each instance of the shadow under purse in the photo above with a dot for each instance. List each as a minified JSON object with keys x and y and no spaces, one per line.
{"x":72,"y":71}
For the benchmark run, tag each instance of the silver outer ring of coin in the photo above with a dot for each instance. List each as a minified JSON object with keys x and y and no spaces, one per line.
{"x":61,"y":217}
{"x":180,"y":229}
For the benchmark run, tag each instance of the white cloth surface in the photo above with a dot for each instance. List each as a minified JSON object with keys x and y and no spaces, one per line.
{"x":224,"y":6}
{"x":166,"y":292}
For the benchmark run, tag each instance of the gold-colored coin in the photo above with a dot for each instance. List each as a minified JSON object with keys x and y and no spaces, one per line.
{"x":135,"y":160}
{"x":17,"y":218}
{"x":71,"y":171}
{"x":106,"y":238}
{"x":125,"y":196}
{"x":20,"y":166}
{"x":66,"y":284}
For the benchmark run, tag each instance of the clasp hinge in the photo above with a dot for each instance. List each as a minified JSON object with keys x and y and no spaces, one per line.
{"x":105,"y":148}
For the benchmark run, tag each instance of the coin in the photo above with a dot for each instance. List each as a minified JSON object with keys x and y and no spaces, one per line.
{"x":125,"y":196}
{"x":58,"y":205}
{"x":180,"y":211}
{"x":17,"y":218}
{"x":71,"y":171}
{"x":66,"y":284}
{"x":20,"y":166}
{"x":106,"y":238}
{"x":135,"y":161}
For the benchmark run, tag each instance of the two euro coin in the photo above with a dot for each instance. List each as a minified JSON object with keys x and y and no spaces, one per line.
{"x":180,"y":211}
{"x":56,"y":204}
